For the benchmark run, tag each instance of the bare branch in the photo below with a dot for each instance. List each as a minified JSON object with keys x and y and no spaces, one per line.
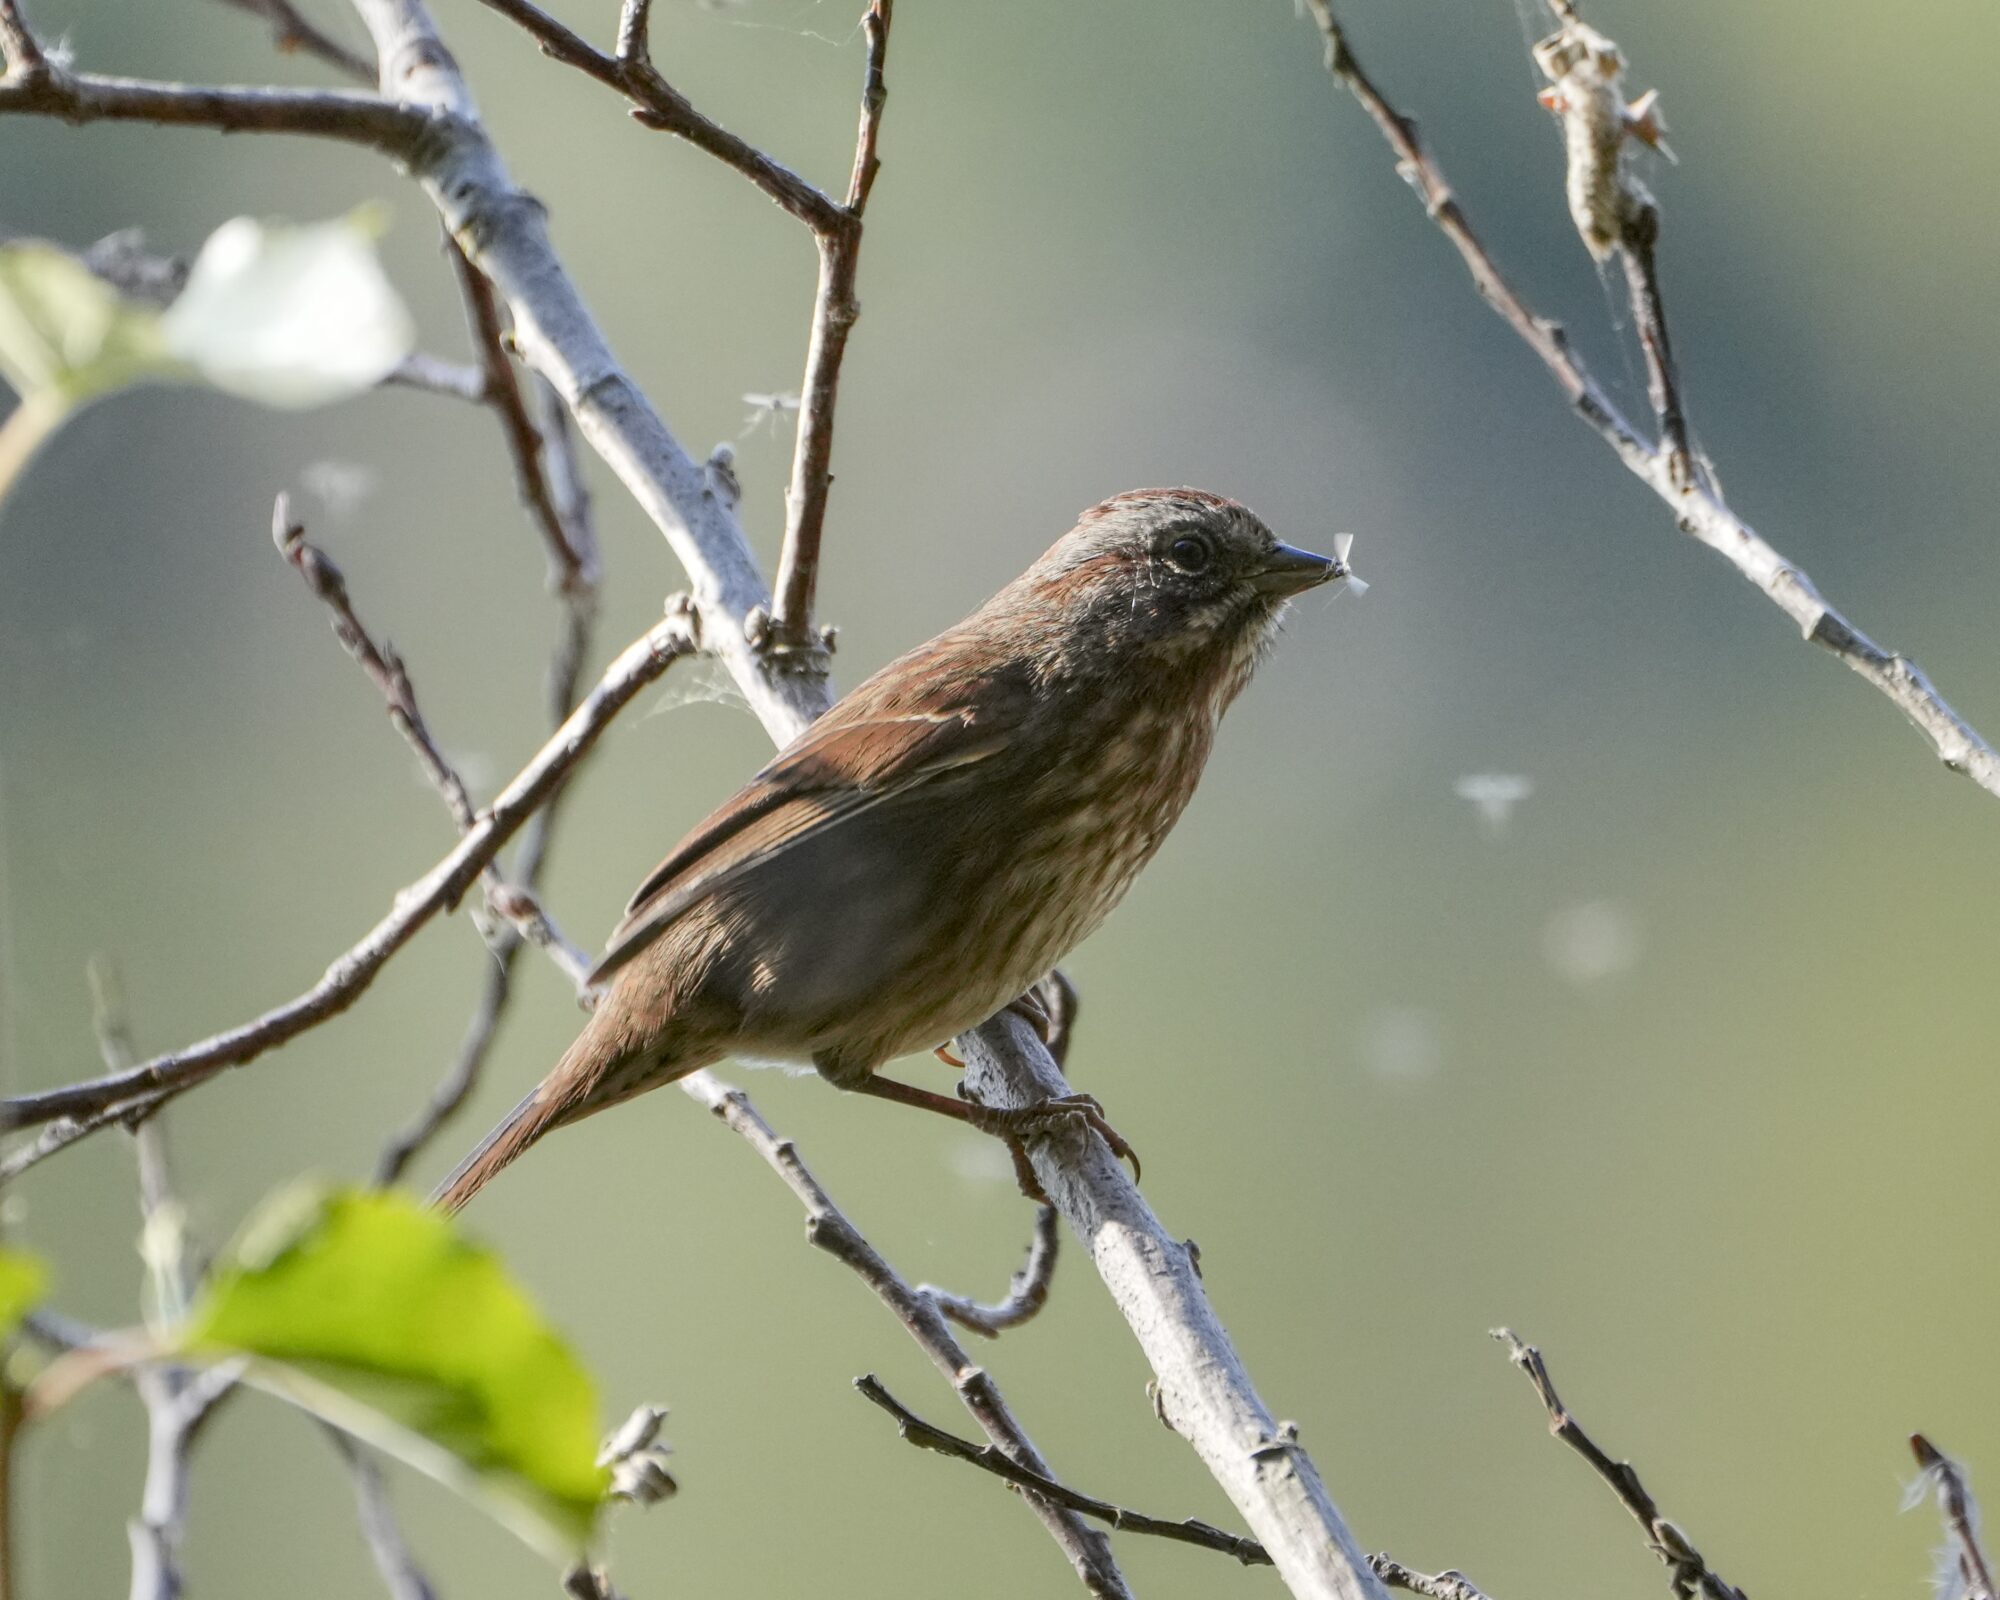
{"x":63,"y":1132}
{"x":572,"y":570}
{"x":23,"y":52}
{"x":639,"y":664}
{"x":634,"y":19}
{"x":514,"y":902}
{"x":829,"y":1229}
{"x":835,"y":310}
{"x":1960,"y":1511}
{"x":1698,"y":507}
{"x":1026,"y":1294}
{"x":497,"y":989}
{"x":178,"y":1400}
{"x":1446,"y":1585}
{"x":926,"y":1437}
{"x":384,"y":667}
{"x":1688,"y":1572}
{"x":397,"y":1564}
{"x":1642,"y":279}
{"x":435,"y":376}
{"x":347,"y":115}
{"x":1203,"y":1391}
{"x":505,"y":233}
{"x":658,"y":104}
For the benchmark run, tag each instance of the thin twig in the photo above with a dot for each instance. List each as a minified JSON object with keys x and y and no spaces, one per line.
{"x":436,"y":376}
{"x":658,"y":104}
{"x":1698,"y":506}
{"x":1688,"y":1572}
{"x":179,"y":1400}
{"x":634,"y":22}
{"x":639,"y":664}
{"x":179,"y":1403}
{"x":926,"y":1437}
{"x":292,"y":32}
{"x":1447,"y":1585}
{"x":384,"y":667}
{"x":1961,"y":1521}
{"x":497,"y":988}
{"x":514,"y":902}
{"x":23,"y":51}
{"x":351,"y":116}
{"x":1027,"y":1293}
{"x":1609,"y":205}
{"x":828,"y":1228}
{"x":397,"y":1564}
{"x":835,"y":310}
{"x":1639,"y":253}
{"x":570,"y":569}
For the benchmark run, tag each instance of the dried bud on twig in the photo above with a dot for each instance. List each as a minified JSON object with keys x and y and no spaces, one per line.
{"x":638,"y":1461}
{"x":1585,"y":70}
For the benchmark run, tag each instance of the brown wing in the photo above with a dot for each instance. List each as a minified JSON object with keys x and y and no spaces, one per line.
{"x":866,"y":750}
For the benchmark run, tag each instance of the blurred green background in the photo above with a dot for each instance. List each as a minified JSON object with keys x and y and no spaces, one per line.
{"x":1689,"y":1074}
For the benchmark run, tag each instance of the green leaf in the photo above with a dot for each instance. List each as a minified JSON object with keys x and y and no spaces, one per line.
{"x":370,"y":1310}
{"x":65,"y":331}
{"x":22,"y":1280}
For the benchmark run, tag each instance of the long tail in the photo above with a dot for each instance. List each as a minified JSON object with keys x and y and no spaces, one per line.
{"x":527,"y":1122}
{"x":604,"y":1066}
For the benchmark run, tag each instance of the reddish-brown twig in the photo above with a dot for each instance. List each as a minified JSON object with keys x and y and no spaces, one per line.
{"x":828,"y":1228}
{"x":1696,"y":503}
{"x":835,"y":309}
{"x":989,"y":1459}
{"x":639,"y":664}
{"x":1687,"y":1571}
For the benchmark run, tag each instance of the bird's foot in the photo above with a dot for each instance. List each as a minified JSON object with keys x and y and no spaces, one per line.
{"x":1054,"y":1115}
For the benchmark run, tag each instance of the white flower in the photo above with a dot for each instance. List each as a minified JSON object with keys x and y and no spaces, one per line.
{"x":290,"y":316}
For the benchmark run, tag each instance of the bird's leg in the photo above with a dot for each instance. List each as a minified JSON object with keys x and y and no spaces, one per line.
{"x":1059,"y":1003}
{"x":1015,"y":1125}
{"x":1050,"y":1008}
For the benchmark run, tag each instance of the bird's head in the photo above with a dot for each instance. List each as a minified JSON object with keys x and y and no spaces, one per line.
{"x":1172,"y":577}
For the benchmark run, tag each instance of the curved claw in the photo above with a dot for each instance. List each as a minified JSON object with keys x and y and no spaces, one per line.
{"x":1024,"y":1122}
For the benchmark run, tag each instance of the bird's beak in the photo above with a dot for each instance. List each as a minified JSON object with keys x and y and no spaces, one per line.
{"x":1287,"y":570}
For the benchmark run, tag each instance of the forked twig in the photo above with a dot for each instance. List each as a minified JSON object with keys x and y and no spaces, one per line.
{"x":835,"y":309}
{"x":1964,"y":1550}
{"x":1694,"y":499}
{"x":829,"y":1229}
{"x":121,"y":1093}
{"x":1027,"y":1293}
{"x":1688,"y":1572}
{"x":988,"y":1459}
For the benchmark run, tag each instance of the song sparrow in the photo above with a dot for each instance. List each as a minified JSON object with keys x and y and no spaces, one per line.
{"x":942,"y":837}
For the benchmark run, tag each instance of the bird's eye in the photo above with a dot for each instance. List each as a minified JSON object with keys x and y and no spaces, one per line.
{"x":1190,"y":553}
